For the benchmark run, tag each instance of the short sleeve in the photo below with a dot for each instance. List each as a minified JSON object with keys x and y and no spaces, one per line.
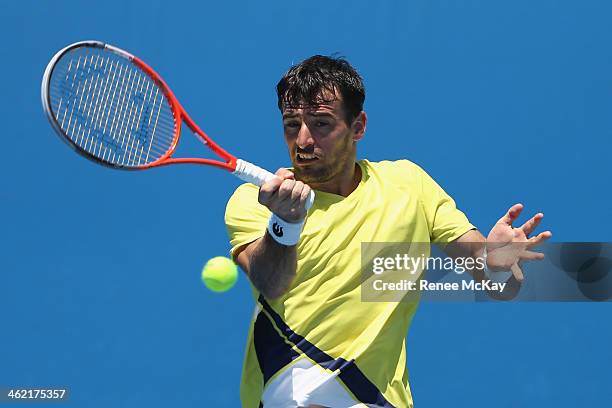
{"x":245,"y":219}
{"x":446,"y":222}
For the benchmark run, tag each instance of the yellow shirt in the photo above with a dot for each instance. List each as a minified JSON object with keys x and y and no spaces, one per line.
{"x":322,"y":316}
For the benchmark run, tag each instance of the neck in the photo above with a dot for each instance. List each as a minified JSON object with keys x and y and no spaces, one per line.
{"x":344,"y":183}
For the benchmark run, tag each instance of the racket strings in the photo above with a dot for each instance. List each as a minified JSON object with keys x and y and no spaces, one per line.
{"x":110,"y":108}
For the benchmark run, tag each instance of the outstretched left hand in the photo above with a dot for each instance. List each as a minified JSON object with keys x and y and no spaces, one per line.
{"x":508,"y":247}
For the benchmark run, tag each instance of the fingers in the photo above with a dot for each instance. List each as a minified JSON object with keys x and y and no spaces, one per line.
{"x":285,"y":190}
{"x":538,"y":239}
{"x":516,"y":269}
{"x":305,"y":194}
{"x":284,"y":173}
{"x":296,"y":191}
{"x":515,"y":250}
{"x":517,"y":272}
{"x":532,"y":224}
{"x":270,"y":187}
{"x":285,"y":196}
{"x":511,"y":215}
{"x":531,"y":256}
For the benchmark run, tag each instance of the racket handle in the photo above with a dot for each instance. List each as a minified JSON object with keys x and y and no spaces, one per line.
{"x":251,"y":173}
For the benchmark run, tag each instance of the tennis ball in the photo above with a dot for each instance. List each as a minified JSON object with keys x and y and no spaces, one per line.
{"x":219,"y":274}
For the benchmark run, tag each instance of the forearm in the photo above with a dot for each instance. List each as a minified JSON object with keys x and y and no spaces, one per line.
{"x":271,"y":267}
{"x":271,"y":262}
{"x":470,"y":245}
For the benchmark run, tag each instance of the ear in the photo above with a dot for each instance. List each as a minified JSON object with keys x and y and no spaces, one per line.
{"x":359,"y":126}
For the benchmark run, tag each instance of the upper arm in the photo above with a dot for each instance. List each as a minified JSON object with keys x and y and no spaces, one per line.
{"x":246,"y":221}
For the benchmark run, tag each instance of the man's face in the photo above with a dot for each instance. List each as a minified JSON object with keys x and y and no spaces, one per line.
{"x":319,"y":140}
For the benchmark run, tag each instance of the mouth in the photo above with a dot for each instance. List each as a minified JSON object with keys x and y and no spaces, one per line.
{"x":305,"y":158}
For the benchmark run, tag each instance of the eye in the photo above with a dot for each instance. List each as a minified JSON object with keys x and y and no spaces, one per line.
{"x":321,"y":123}
{"x":291,"y":125}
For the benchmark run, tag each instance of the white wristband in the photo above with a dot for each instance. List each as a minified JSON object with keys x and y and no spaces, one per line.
{"x":283,"y":232}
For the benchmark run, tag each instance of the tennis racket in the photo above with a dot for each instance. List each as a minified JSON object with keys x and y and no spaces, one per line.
{"x":113,"y":109}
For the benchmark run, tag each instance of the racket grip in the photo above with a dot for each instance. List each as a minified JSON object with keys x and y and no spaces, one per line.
{"x":251,"y":173}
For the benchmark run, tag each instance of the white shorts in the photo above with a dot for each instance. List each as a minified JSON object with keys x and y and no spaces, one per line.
{"x":303,"y":384}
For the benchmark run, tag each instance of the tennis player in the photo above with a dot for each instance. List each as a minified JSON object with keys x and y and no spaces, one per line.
{"x":313,"y":342}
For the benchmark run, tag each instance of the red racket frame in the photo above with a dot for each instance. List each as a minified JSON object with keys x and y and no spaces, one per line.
{"x":243,"y":169}
{"x":181,"y":115}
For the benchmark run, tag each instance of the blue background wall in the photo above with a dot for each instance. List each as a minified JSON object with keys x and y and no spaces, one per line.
{"x":499,"y":101}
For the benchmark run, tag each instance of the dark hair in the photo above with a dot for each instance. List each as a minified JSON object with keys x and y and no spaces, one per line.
{"x":307,"y":83}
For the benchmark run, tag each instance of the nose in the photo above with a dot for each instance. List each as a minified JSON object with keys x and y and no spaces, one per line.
{"x":304,"y":138}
